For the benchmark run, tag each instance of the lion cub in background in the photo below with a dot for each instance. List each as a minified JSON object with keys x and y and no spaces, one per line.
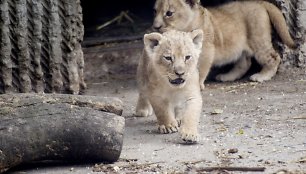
{"x":233,"y":32}
{"x":168,"y":81}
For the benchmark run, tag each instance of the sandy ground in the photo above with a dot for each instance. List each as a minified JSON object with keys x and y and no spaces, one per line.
{"x":243,"y":124}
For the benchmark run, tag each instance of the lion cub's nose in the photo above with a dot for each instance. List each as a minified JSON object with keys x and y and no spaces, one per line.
{"x":157,"y":27}
{"x":179,"y":73}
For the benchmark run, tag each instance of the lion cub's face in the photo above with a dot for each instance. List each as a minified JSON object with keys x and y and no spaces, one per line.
{"x":173,"y":14}
{"x":174,"y":54}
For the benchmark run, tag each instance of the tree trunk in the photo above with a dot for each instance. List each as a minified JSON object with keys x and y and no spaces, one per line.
{"x":40,"y":46}
{"x":295,"y":14}
{"x":59,"y":127}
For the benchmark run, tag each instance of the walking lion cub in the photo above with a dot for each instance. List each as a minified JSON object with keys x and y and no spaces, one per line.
{"x":168,"y":81}
{"x":233,"y":32}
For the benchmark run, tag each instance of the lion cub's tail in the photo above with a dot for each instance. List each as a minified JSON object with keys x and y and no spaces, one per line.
{"x":279,"y":23}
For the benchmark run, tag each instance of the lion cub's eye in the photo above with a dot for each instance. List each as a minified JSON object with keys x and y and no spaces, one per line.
{"x":187,"y":57}
{"x":169,"y":13}
{"x":168,"y":58}
{"x":154,"y":12}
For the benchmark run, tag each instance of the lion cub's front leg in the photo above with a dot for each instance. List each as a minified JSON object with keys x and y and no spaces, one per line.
{"x":165,"y":117}
{"x":143,"y":108}
{"x":205,"y":63}
{"x":190,"y":119}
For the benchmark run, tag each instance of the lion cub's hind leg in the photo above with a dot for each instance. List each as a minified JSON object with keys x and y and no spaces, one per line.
{"x":239,"y":69}
{"x":269,"y":59}
{"x":260,"y":41}
{"x":143,"y":108}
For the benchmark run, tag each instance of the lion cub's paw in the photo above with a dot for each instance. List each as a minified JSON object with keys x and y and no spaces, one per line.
{"x":224,"y":78}
{"x":259,"y":78}
{"x":168,"y":129}
{"x":190,"y":137}
{"x":144,"y":112}
{"x":202,"y":86}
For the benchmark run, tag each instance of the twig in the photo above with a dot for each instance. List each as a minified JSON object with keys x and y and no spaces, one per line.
{"x":159,"y":149}
{"x":130,"y":166}
{"x":109,"y":22}
{"x":127,"y":160}
{"x":243,"y":169}
{"x":195,"y":162}
{"x":123,"y":14}
{"x":90,"y":42}
{"x":140,"y":165}
{"x":300,"y":117}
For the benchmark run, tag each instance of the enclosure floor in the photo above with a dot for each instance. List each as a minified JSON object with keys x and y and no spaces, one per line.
{"x":264,"y":122}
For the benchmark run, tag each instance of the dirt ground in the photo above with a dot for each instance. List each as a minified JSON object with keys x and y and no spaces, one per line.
{"x":243,"y":124}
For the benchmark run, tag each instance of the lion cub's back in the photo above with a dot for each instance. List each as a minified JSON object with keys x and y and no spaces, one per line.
{"x":238,"y":10}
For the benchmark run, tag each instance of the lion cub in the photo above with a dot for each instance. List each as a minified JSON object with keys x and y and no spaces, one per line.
{"x":233,"y":32}
{"x":168,"y":81}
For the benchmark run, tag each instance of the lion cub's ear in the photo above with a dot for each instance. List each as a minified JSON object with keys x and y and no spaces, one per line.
{"x":151,"y":41}
{"x":197,"y":38}
{"x":192,"y":3}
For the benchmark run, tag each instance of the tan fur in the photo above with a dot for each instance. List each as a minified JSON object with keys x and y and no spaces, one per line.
{"x":233,"y":32}
{"x":168,"y":58}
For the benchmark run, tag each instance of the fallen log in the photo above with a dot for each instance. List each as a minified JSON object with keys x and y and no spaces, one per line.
{"x":37,"y":127}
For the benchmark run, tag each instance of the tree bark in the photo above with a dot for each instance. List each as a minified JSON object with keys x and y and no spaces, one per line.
{"x":295,"y":14}
{"x":59,"y":127}
{"x":40,"y":46}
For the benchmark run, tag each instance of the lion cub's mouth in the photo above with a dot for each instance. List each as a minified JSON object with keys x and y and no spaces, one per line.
{"x":177,"y":81}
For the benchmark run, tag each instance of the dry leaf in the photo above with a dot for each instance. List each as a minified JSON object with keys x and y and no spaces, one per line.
{"x":302,"y":160}
{"x":240,"y":132}
{"x":217,"y":111}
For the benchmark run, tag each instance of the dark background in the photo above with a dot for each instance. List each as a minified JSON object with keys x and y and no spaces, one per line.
{"x":97,"y":12}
